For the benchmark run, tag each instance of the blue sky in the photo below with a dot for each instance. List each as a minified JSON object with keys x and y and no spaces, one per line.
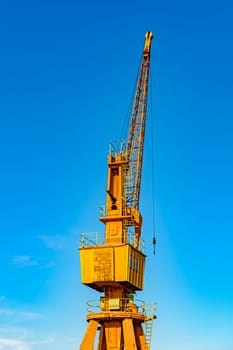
{"x":67,"y":72}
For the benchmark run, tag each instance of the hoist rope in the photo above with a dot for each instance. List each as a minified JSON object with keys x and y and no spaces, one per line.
{"x":152,"y":165}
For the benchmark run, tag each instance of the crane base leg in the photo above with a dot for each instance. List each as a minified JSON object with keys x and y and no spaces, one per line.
{"x":123,"y":334}
{"x":89,"y":337}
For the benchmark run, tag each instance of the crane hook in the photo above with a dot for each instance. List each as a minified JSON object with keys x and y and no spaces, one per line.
{"x":154,"y":243}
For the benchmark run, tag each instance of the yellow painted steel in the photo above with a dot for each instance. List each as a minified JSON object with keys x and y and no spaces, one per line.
{"x":149,"y":37}
{"x":123,"y":264}
{"x":140,"y":336}
{"x":129,"y":335}
{"x":114,"y":264}
{"x":89,"y":338}
{"x":113,"y":335}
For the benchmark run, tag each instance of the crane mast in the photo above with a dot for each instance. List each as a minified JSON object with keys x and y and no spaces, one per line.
{"x":113,"y":263}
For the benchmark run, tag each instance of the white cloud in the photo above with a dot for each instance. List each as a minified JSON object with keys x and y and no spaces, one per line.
{"x":16,"y":338}
{"x":13,"y":344}
{"x":24,"y":261}
{"x":30,"y":315}
{"x":6,"y":312}
{"x":29,"y":261}
{"x":21,"y":314}
{"x":56,"y":242}
{"x":14,"y":331}
{"x":49,"y":340}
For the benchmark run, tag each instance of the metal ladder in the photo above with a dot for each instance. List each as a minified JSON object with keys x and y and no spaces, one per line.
{"x":148,"y":331}
{"x":148,"y":325}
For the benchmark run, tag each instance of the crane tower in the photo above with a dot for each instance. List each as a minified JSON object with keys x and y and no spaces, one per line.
{"x":113,"y":263}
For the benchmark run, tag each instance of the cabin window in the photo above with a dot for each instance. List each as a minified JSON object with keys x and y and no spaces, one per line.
{"x":131,"y":262}
{"x":136,"y":264}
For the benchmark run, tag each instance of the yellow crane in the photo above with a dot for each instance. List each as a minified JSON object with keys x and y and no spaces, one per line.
{"x":113,"y":263}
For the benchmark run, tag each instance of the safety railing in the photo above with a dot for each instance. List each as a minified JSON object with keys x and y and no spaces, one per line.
{"x":93,"y":239}
{"x":120,"y":211}
{"x":121,"y":304}
{"x":117,"y":147}
{"x":103,"y":212}
{"x":126,"y":305}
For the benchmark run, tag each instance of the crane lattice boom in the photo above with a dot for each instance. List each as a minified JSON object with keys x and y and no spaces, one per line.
{"x":135,"y":142}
